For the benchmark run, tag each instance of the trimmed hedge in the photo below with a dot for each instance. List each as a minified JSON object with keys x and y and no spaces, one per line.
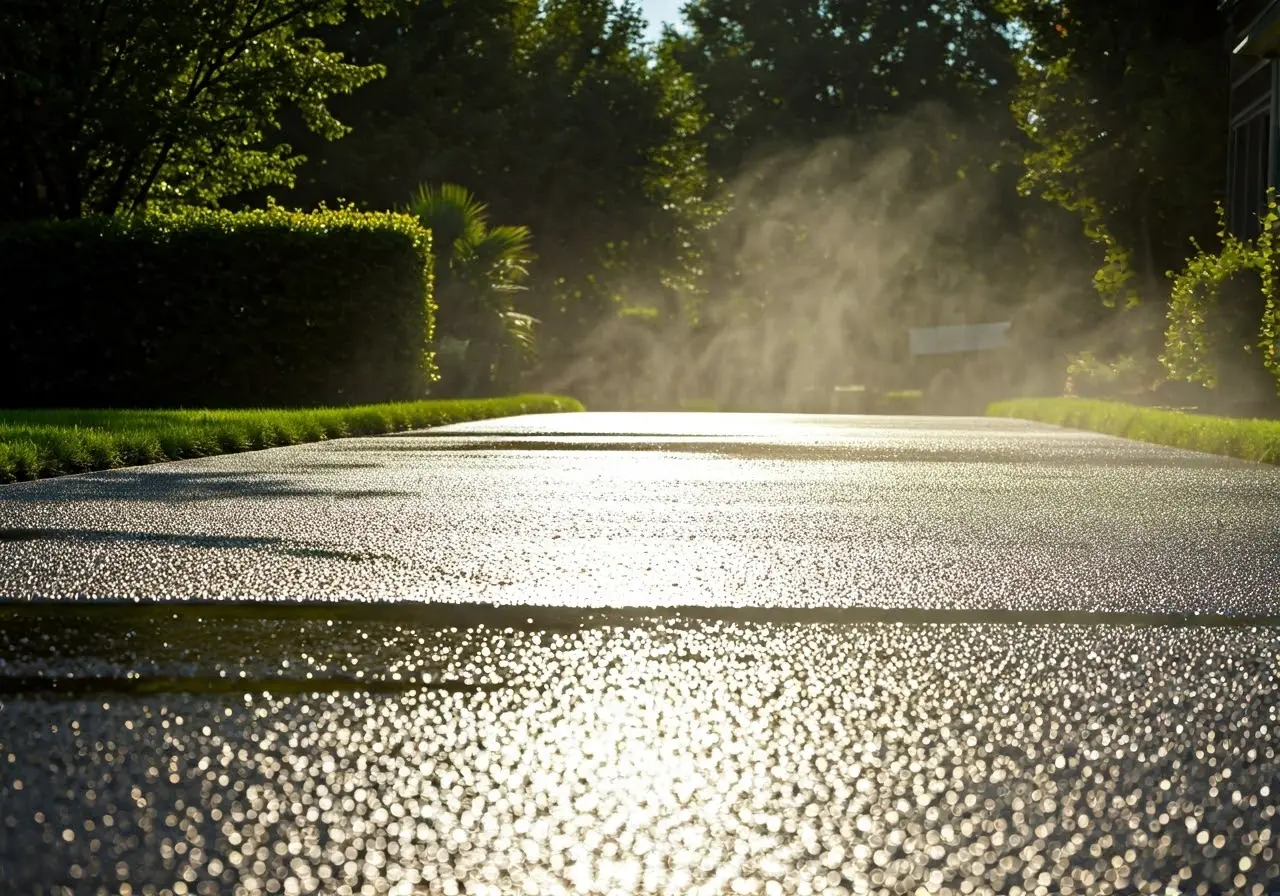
{"x":205,"y":308}
{"x":39,"y":444}
{"x":1257,"y":440}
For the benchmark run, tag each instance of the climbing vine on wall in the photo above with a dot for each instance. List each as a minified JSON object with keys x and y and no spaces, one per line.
{"x":1197,"y":292}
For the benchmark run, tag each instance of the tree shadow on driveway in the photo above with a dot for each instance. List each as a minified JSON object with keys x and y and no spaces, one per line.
{"x":282,"y":546}
{"x":166,"y":485}
{"x":1120,"y":454}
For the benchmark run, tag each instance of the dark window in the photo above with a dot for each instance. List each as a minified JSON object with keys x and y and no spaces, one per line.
{"x":1251,"y":89}
{"x":1248,"y":175}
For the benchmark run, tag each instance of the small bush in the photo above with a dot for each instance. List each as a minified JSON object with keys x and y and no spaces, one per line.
{"x":217,"y":309}
{"x":1091,"y":377}
{"x":900,"y":401}
{"x":485,"y":343}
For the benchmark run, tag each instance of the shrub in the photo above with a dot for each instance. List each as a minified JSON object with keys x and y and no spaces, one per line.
{"x":205,"y":308}
{"x":479,"y":269}
{"x":1092,"y":377}
{"x":1223,"y":305}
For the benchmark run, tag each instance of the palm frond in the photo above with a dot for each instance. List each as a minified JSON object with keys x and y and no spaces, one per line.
{"x":506,"y":248}
{"x":520,"y":332}
{"x":482,"y":340}
{"x":452,"y":214}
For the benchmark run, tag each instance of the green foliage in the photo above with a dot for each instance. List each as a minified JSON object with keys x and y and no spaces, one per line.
{"x":867,"y":149}
{"x":38,"y":444}
{"x":479,"y":269}
{"x":108,"y":106}
{"x":1090,"y":377}
{"x":212,"y":308}
{"x":831,"y":68}
{"x":561,"y":118}
{"x":898,"y":402}
{"x":1192,"y":352}
{"x":1056,"y":168}
{"x":1256,"y":440}
{"x":1123,"y":105}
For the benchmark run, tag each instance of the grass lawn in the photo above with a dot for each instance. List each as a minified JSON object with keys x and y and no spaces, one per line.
{"x":38,"y":444}
{"x":1257,"y":440}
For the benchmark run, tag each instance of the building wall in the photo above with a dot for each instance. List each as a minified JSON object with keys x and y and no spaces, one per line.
{"x":1254,"y":140}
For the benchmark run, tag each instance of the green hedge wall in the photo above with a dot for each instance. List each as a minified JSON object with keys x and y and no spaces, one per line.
{"x":208,"y":308}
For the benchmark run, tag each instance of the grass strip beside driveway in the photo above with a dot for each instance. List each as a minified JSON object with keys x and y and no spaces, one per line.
{"x":38,"y":444}
{"x":1256,"y":440}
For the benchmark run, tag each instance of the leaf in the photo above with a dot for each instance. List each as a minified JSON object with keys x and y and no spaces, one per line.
{"x":181,"y":107}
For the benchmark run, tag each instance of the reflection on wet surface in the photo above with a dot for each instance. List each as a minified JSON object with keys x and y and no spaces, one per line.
{"x":670,"y":510}
{"x":678,"y":757}
{"x":891,"y":656}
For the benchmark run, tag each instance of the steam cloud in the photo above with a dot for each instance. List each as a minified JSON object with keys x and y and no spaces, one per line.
{"x":835,"y":251}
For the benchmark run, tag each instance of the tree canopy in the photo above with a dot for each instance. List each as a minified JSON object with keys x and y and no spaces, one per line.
{"x":778,"y":76}
{"x":870,"y":161}
{"x":761,"y":202}
{"x":1124,"y":104}
{"x":108,"y":105}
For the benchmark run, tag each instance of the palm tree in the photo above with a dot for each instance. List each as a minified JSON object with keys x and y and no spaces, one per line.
{"x":482,"y":342}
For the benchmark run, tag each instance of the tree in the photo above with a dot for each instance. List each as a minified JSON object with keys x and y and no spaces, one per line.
{"x":774,"y":78}
{"x":869,"y":156}
{"x":1124,"y":103}
{"x":110,"y":105}
{"x":482,"y":340}
{"x":558,"y":114}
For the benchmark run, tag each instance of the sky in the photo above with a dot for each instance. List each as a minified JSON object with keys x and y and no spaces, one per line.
{"x":659,"y":12}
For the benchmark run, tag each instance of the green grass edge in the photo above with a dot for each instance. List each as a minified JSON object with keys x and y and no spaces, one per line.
{"x":1245,"y":439}
{"x":40,"y":444}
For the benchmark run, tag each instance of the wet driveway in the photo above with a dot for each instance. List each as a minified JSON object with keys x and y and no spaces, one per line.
{"x":632,"y":654}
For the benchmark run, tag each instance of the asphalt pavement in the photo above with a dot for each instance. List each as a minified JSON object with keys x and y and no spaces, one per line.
{"x":629,"y":653}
